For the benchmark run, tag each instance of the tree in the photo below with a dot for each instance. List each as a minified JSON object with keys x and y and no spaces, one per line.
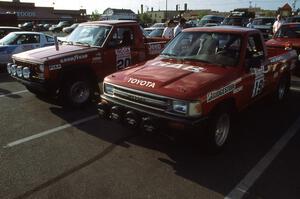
{"x":95,"y":15}
{"x":145,"y":18}
{"x":203,"y":13}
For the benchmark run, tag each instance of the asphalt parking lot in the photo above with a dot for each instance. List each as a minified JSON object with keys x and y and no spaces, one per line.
{"x":47,"y":151}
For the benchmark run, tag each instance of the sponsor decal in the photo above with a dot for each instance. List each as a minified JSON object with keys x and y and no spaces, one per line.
{"x":286,"y":56}
{"x":139,"y":82}
{"x":97,"y":59}
{"x":221,"y":92}
{"x":154,"y":49}
{"x":73,"y":58}
{"x":55,"y":67}
{"x":123,"y":57}
{"x":259,"y":81}
{"x":194,"y":69}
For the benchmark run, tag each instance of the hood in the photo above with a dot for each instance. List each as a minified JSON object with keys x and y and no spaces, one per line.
{"x":41,"y":55}
{"x":184,"y":80}
{"x":282,"y":42}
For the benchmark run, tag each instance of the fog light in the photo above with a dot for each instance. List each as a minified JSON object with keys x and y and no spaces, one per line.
{"x":132,"y":119}
{"x":8,"y":67}
{"x":148,"y":125}
{"x":116,"y":113}
{"x":102,"y":110}
{"x":19,"y":71}
{"x":26,"y":72}
{"x":13,"y":69}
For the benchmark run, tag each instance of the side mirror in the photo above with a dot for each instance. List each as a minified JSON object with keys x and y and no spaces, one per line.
{"x":253,"y":63}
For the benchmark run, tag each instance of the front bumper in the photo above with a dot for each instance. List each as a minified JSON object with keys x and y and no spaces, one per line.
{"x":163,"y":119}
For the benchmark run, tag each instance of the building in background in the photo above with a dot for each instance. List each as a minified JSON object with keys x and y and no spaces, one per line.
{"x":28,"y":12}
{"x":285,"y":10}
{"x":118,"y":14}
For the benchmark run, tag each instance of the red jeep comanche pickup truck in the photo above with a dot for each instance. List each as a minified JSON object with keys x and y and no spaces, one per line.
{"x":93,"y":50}
{"x":202,"y":76}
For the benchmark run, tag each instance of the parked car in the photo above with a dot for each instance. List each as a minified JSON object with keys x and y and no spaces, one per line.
{"x":59,"y":26}
{"x":69,"y":29}
{"x":27,"y":26}
{"x":265,"y":25}
{"x":154,"y":27}
{"x":236,"y":21}
{"x":210,"y":19}
{"x":4,"y":30}
{"x":47,"y":26}
{"x":16,"y":42}
{"x":293,"y":19}
{"x":156,"y":32}
{"x":92,"y":51}
{"x":201,"y":79}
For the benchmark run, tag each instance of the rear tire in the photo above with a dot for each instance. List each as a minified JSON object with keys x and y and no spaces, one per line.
{"x":282,"y":89}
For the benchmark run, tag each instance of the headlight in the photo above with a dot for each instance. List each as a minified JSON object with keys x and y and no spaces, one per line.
{"x":19,"y":71}
{"x":8,"y":67}
{"x":109,"y":89}
{"x":26,"y":72}
{"x":180,"y":107}
{"x":13,"y":69}
{"x":42,"y":68}
{"x":187,"y":108}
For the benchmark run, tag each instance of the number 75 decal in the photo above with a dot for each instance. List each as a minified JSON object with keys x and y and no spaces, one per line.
{"x":259,"y":81}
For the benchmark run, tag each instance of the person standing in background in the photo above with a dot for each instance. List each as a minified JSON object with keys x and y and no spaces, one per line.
{"x":168,"y":31}
{"x":249,"y":25}
{"x":179,"y":27}
{"x":277,"y":23}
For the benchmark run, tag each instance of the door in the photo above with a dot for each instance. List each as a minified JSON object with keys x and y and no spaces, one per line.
{"x":120,"y":52}
{"x":256,"y":79}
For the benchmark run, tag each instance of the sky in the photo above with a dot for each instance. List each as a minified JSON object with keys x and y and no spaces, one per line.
{"x":134,"y":5}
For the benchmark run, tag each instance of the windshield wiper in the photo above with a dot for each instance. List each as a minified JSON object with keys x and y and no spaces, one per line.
{"x":168,"y":54}
{"x":82,"y":43}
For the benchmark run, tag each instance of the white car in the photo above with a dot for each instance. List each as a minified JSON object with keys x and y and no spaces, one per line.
{"x":17,"y":42}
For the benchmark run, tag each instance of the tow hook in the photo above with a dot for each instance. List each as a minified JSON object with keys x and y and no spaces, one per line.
{"x":116,"y":114}
{"x":103,"y":110}
{"x":149,"y":125}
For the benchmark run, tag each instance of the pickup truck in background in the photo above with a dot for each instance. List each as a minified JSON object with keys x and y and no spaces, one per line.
{"x":287,"y":36}
{"x":201,"y":78}
{"x":73,"y":69}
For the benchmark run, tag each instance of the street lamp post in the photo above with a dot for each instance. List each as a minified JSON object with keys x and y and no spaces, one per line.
{"x":166,"y":9}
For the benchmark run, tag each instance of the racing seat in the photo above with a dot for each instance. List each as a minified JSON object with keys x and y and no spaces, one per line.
{"x":126,"y":41}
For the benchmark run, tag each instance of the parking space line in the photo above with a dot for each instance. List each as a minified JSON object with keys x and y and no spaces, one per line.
{"x":13,"y":93}
{"x":239,"y":191}
{"x":295,"y":89}
{"x":50,"y":131}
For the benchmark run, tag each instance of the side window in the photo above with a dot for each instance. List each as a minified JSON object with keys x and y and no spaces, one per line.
{"x":28,"y":39}
{"x":255,"y":47}
{"x":122,"y":37}
{"x":49,"y":39}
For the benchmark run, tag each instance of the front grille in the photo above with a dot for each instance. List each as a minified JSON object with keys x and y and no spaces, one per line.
{"x":141,"y":99}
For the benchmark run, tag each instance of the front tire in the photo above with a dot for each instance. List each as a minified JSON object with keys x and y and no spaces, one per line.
{"x":282,"y":89}
{"x":77,"y":92}
{"x":219,"y":130}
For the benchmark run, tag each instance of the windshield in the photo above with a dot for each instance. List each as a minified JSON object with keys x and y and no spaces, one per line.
{"x":89,"y":35}
{"x":208,"y":47}
{"x":158,"y":25}
{"x":9,"y":39}
{"x":232,"y":21}
{"x":156,"y":33}
{"x":266,"y":21}
{"x":291,"y":31}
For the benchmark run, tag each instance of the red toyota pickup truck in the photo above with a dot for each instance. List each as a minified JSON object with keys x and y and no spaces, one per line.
{"x":93,"y":50}
{"x":287,"y":36}
{"x":203,"y":76}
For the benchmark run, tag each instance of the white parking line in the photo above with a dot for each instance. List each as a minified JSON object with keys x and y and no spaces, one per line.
{"x":13,"y":93}
{"x":239,"y":191}
{"x":50,"y":131}
{"x":295,"y":89}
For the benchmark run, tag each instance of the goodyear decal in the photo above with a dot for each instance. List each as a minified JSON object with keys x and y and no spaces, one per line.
{"x":194,"y":69}
{"x":139,"y":82}
{"x":221,"y":92}
{"x":73,"y":58}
